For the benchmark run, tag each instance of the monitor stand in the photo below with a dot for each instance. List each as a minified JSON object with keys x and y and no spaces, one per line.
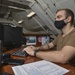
{"x":5,"y":73}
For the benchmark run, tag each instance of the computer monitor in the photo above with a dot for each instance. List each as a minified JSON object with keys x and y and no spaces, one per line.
{"x":1,"y":39}
{"x":1,"y":53}
{"x":12,"y":36}
{"x":1,"y":31}
{"x":30,"y":40}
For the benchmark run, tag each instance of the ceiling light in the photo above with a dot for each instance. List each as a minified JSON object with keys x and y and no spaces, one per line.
{"x":31,"y":14}
{"x":20,"y":21}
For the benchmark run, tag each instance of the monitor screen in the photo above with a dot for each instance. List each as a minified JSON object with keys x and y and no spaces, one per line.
{"x":30,"y":40}
{"x":12,"y":36}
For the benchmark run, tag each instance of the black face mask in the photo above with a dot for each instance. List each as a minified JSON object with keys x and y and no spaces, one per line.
{"x":59,"y":24}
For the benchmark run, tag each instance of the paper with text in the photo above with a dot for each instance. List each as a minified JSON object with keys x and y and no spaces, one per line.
{"x":39,"y":68}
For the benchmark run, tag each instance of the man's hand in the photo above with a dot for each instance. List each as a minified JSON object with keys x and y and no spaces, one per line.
{"x":30,"y":50}
{"x":34,"y":48}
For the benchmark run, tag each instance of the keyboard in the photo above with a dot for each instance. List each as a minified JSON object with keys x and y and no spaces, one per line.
{"x":4,"y":73}
{"x":20,"y":52}
{"x":13,"y":61}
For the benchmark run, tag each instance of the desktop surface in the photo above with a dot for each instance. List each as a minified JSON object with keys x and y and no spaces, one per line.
{"x":29,"y":59}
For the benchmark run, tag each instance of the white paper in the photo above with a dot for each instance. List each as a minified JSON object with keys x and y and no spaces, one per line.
{"x":39,"y":68}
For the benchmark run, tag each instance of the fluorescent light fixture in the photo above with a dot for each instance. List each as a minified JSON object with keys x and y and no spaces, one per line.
{"x":20,"y":21}
{"x":16,"y":8}
{"x":31,"y":14}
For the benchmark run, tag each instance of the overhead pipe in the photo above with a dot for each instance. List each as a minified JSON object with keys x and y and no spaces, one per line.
{"x":13,"y":7}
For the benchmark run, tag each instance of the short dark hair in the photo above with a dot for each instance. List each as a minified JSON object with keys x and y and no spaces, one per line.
{"x":68,"y":13}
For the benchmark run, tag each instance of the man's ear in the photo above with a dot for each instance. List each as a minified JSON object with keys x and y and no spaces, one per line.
{"x":69,"y":18}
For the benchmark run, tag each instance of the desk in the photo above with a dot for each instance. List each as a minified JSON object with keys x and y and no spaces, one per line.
{"x":30,"y":59}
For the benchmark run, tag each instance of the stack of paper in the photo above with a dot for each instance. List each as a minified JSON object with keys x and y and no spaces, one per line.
{"x":39,"y":68}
